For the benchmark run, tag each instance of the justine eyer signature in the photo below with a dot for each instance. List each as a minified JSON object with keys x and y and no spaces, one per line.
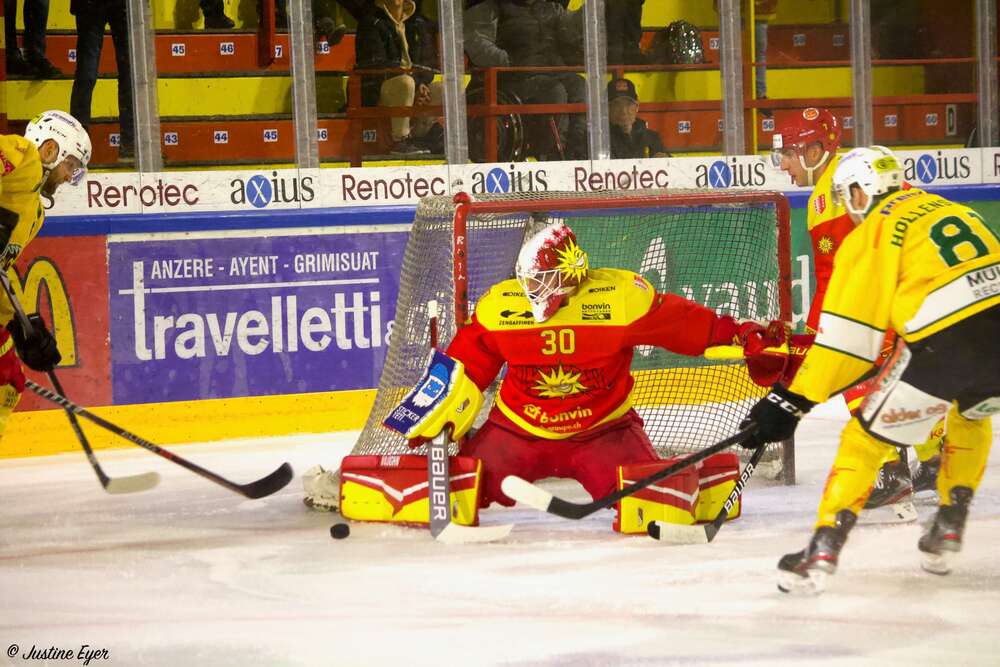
{"x":84,"y":655}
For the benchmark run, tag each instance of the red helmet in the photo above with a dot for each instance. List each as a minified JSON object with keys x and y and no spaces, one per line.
{"x":813,"y":126}
{"x":550,"y":265}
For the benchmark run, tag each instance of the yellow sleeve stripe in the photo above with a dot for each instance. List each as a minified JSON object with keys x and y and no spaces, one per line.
{"x":850,"y":337}
{"x":964,"y":290}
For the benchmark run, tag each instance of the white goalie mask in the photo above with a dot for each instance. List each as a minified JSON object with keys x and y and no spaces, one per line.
{"x":550,"y":266}
{"x":68,"y":134}
{"x":875,"y":170}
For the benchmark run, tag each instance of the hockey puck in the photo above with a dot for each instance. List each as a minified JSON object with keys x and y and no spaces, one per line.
{"x":339,"y":531}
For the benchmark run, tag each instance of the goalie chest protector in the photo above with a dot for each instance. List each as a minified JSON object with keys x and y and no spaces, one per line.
{"x":394,"y":489}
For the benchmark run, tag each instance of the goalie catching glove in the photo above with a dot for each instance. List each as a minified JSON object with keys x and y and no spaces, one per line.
{"x":765,"y":366}
{"x":443,"y":397}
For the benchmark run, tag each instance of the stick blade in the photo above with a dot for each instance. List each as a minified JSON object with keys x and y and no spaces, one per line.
{"x":265,"y":486}
{"x":454,"y":533}
{"x":133,"y":483}
{"x":672,"y":533}
{"x":525,"y":492}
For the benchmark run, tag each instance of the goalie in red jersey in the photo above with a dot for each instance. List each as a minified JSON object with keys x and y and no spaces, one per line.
{"x":566,"y":334}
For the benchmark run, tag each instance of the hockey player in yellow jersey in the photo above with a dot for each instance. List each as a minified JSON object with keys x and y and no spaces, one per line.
{"x":929,"y":269}
{"x":55,"y":149}
{"x":805,"y":147}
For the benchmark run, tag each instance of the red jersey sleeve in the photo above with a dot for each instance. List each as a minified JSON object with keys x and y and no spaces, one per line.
{"x":474,"y":347}
{"x":674,"y":323}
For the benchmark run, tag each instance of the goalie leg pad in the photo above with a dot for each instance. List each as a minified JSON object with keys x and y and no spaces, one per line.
{"x":671,"y":500}
{"x":717,"y":477}
{"x":394,"y":489}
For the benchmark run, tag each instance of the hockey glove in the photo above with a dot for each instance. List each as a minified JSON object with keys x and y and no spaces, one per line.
{"x":38,"y":351}
{"x":776,"y":415}
{"x":765,"y":365}
{"x":444,"y":398}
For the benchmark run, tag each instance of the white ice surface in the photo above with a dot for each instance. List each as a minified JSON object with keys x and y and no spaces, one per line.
{"x":191,"y":574}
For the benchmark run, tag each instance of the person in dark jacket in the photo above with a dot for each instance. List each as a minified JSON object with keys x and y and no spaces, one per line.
{"x":534,"y":33}
{"x":92,"y":16}
{"x":630,"y":138}
{"x":383,"y":42}
{"x":623,"y":20}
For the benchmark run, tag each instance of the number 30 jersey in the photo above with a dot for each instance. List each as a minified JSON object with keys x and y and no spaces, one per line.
{"x":918,"y":264}
{"x":571,"y":373}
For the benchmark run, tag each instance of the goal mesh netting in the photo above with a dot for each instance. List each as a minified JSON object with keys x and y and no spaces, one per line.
{"x":726,"y":249}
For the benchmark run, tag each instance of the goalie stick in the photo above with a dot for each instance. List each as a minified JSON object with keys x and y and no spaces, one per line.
{"x":439,"y":483}
{"x":525,"y":492}
{"x":672,"y":533}
{"x":264,"y":486}
{"x":120,"y":484}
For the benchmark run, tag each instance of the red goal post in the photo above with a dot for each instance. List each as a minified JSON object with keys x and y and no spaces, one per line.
{"x":727,"y":249}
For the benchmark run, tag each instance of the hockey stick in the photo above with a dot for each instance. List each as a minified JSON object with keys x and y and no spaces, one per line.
{"x":125,"y":484}
{"x":534,"y":496}
{"x":439,"y":483}
{"x":672,"y":533}
{"x":735,"y":352}
{"x":264,"y":486}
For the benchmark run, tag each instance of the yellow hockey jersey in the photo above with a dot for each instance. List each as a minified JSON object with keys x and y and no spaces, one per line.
{"x":918,"y":264}
{"x":21,"y":212}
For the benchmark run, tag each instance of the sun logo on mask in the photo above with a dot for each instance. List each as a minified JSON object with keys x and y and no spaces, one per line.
{"x":572,"y":262}
{"x":558,"y":384}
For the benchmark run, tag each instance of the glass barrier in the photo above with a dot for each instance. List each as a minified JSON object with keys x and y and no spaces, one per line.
{"x":671,"y":103}
{"x":223,"y":82}
{"x":387,"y":92}
{"x":923,"y":72}
{"x":798,"y":56}
{"x":225,"y":93}
{"x":55,"y":70}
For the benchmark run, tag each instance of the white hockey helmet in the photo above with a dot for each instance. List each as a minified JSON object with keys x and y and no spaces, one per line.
{"x":549,"y":266}
{"x":69,"y":135}
{"x":875,"y":170}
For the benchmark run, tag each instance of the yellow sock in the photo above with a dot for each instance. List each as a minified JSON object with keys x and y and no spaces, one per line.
{"x":9,"y":398}
{"x":966,"y":449}
{"x":932,"y":447}
{"x":850,"y":481}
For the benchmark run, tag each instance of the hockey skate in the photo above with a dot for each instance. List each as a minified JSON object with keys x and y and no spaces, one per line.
{"x":926,"y":477}
{"x":322,"y":489}
{"x":891,"y":499}
{"x":805,"y":572}
{"x":943,"y":539}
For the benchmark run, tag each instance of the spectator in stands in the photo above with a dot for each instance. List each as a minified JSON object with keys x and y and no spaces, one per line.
{"x":215,"y":15}
{"x":383,"y":42}
{"x":623,"y":19}
{"x":32,"y":62}
{"x":630,"y":138}
{"x":534,"y":33}
{"x":91,"y":18}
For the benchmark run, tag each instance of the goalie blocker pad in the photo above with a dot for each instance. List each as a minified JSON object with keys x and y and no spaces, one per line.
{"x":695,"y":494}
{"x":394,"y":489}
{"x":443,"y":396}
